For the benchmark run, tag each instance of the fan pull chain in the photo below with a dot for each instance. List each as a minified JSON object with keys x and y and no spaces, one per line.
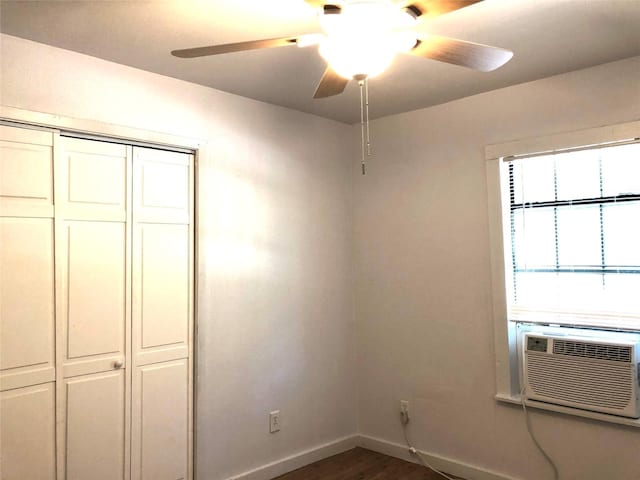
{"x":364,"y":121}
{"x":366,"y":107}
{"x":361,"y":83}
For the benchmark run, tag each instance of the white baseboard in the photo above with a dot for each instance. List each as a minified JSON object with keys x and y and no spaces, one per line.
{"x":445,"y":464}
{"x":299,"y":460}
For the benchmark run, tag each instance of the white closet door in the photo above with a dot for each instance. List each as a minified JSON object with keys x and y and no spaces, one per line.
{"x":95,"y":424}
{"x":85,"y":391}
{"x":162,"y":312}
{"x":27,"y":311}
{"x":26,"y":302}
{"x":27,"y":433}
{"x":161,"y":420}
{"x":162,"y":255}
{"x":26,"y":258}
{"x":93,"y":262}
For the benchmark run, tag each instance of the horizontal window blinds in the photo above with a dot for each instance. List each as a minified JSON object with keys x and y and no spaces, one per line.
{"x":575,"y":236}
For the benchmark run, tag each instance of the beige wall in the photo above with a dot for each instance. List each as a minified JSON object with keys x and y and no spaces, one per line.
{"x":276,"y":315}
{"x":279,"y":224}
{"x":423,"y":281}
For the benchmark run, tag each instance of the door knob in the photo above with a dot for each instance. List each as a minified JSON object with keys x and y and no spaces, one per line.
{"x":118,"y":364}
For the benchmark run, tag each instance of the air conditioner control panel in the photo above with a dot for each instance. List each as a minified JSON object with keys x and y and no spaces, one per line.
{"x":537,"y":344}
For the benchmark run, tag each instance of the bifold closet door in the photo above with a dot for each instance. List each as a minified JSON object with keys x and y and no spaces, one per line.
{"x":96,"y":309}
{"x":27,"y":308}
{"x":92,"y":261}
{"x":162,"y":312}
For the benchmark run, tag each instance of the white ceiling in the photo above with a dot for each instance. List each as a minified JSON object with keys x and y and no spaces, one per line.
{"x":548,"y":37}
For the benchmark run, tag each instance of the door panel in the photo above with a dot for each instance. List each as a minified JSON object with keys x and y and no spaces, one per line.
{"x":162,"y":315}
{"x":96,"y":313}
{"x":26,"y":172}
{"x":95,"y":273}
{"x":95,"y":420}
{"x":26,"y":135}
{"x":155,"y":174}
{"x":93,"y":249}
{"x":160,"y":421}
{"x":162,"y":288}
{"x":27,"y":309}
{"x":161,"y":186}
{"x":26,"y":301}
{"x":95,"y":181}
{"x":27,"y":433}
{"x":163,"y":255}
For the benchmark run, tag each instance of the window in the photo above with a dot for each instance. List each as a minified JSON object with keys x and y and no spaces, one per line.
{"x":564,"y":229}
{"x":572,"y":223}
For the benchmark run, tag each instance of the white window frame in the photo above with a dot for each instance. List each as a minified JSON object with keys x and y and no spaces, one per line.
{"x":506,"y":361}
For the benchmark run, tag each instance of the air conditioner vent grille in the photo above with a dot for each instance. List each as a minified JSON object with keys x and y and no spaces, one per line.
{"x":579,"y":381}
{"x":613,"y":353}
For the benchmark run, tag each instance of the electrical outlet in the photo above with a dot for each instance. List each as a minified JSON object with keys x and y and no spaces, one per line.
{"x":274,"y":421}
{"x":404,"y":411}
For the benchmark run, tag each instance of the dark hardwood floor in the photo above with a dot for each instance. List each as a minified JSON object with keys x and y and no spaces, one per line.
{"x":361,"y":464}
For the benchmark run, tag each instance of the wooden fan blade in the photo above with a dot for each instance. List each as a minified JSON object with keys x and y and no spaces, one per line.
{"x":434,"y":8}
{"x":330,"y":84}
{"x":458,"y":52}
{"x":328,"y":8}
{"x":233,"y":47}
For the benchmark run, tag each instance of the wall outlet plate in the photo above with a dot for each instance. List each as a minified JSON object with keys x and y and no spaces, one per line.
{"x":404,"y":411}
{"x":274,"y":421}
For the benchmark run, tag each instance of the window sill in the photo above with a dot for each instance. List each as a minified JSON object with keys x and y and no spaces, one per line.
{"x":620,"y":323}
{"x":603,"y":417}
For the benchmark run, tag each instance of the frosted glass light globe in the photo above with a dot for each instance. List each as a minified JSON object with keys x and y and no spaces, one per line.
{"x":365,"y":37}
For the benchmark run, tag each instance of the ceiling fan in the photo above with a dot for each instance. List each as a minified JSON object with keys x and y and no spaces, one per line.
{"x":362,"y":37}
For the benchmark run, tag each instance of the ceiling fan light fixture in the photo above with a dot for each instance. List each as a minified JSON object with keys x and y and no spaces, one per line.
{"x":355,"y":59}
{"x":361,"y":39}
{"x":308,"y":40}
{"x":365,"y":37}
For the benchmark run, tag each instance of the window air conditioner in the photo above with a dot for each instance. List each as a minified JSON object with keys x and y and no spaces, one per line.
{"x":598,"y":373}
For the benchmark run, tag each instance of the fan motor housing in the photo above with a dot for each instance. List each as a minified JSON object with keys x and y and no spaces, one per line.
{"x":332,"y":9}
{"x":413,"y":10}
